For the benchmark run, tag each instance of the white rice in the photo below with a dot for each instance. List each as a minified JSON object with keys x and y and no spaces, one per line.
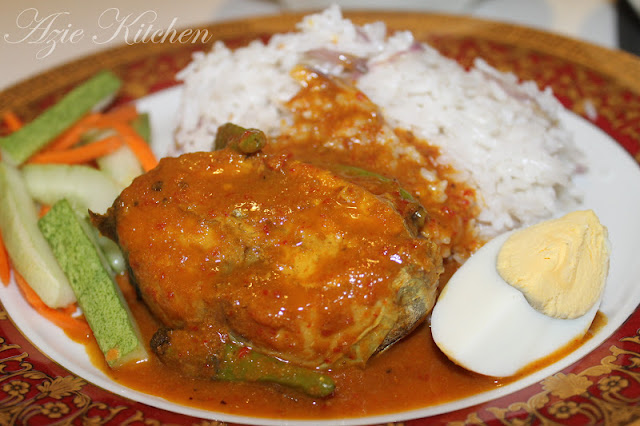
{"x":505,"y":138}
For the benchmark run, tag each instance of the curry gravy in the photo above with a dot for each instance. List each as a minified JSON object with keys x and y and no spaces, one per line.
{"x":333,"y":122}
{"x":412,"y":374}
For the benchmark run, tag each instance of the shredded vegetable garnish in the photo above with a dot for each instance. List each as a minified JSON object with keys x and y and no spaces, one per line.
{"x":12,"y":121}
{"x":81,"y":154}
{"x":73,"y":134}
{"x":62,"y":317}
{"x":138,"y":145}
{"x":5,"y":265}
{"x":124,"y":113}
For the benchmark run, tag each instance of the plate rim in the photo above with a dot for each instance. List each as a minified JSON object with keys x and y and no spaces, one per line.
{"x":616,"y":65}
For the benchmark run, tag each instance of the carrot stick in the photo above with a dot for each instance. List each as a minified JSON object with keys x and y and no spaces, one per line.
{"x":44,"y":209}
{"x":137,"y":144}
{"x":73,"y":134}
{"x":5,"y":265}
{"x":79,"y":155}
{"x":60,"y":317}
{"x":124,"y":113}
{"x":12,"y":121}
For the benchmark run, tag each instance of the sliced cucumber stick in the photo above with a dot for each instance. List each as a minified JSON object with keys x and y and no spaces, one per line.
{"x":30,"y":254}
{"x":98,"y":295}
{"x":122,"y":166}
{"x":20,"y":145}
{"x":83,"y":186}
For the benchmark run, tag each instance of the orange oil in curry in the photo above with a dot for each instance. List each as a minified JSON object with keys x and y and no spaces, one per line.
{"x":412,"y":374}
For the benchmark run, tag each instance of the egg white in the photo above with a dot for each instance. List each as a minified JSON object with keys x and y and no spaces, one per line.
{"x":487,"y":326}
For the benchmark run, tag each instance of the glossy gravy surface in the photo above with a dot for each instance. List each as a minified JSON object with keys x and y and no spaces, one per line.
{"x":411,"y":374}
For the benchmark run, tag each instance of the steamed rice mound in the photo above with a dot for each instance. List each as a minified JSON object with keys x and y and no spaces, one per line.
{"x":503,"y":137}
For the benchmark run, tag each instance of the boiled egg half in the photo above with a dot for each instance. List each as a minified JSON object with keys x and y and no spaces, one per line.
{"x":523,"y":295}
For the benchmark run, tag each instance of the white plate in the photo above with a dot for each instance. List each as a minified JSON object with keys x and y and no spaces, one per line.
{"x":611,"y":190}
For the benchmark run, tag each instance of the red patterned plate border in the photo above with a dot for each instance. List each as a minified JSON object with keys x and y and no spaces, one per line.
{"x":601,"y":388}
